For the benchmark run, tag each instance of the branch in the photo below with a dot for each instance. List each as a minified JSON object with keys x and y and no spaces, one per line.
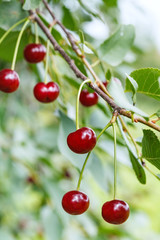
{"x":79,"y":74}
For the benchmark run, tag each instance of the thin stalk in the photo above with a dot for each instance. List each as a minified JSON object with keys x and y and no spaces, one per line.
{"x":87,"y":157}
{"x":36,"y":33}
{"x":11,"y":28}
{"x":136,"y":147}
{"x":130,"y":135}
{"x":115,"y":162}
{"x":77,"y":102}
{"x":82,"y":170}
{"x":47,"y":61}
{"x":17,"y":44}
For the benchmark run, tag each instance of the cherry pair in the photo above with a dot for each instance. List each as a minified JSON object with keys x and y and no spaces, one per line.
{"x":114,"y":212}
{"x":9,"y":79}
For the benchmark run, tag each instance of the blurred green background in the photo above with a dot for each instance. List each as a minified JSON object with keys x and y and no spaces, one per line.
{"x":36,"y":166}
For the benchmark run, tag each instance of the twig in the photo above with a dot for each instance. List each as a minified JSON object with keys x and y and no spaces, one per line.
{"x":80,"y":75}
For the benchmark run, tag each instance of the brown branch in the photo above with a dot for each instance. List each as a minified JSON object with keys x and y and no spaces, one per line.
{"x":80,"y":75}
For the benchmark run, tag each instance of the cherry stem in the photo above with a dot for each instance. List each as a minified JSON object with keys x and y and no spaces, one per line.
{"x":115,"y":161}
{"x":87,"y":157}
{"x":82,"y":170}
{"x":36,"y":33}
{"x":18,"y":43}
{"x":77,"y":103}
{"x":11,"y":28}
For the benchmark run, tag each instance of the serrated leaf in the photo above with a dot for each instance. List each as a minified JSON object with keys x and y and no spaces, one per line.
{"x":117,"y":92}
{"x":151,"y":148}
{"x":114,"y":49}
{"x":29,"y":4}
{"x":148,"y":80}
{"x":138,"y":169}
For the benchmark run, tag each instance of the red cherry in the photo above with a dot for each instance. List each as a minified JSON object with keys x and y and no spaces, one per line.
{"x":88,"y":99}
{"x":9,"y":80}
{"x":115,"y":211}
{"x":82,"y":140}
{"x":46,"y":93}
{"x":75,"y":202}
{"x":34,"y":53}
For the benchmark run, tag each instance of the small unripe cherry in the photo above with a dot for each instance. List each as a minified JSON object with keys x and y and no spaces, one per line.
{"x":75,"y":202}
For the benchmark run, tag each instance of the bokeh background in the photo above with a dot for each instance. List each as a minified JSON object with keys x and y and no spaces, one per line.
{"x":36,"y":168}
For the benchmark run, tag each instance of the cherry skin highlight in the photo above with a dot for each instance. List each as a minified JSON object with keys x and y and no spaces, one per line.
{"x":82,"y":140}
{"x":34,"y":53}
{"x":9,"y":80}
{"x":88,"y":99}
{"x":46,"y":93}
{"x":75,"y":202}
{"x":115,"y":211}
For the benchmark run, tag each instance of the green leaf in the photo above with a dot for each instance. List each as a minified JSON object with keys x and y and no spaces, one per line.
{"x":148,"y":80}
{"x":72,"y":81}
{"x":89,"y":10}
{"x":51,"y":223}
{"x":158,"y":113}
{"x":68,"y":20}
{"x":66,"y":127}
{"x":97,"y":170}
{"x":117,"y":92}
{"x":8,"y":46}
{"x":151,"y":148}
{"x":114,"y":49}
{"x":11,"y":12}
{"x":138,"y":169}
{"x":29,"y":4}
{"x":108,"y":74}
{"x":134,"y":86}
{"x":110,"y":3}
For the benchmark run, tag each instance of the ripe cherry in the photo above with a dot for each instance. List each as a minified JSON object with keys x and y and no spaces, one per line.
{"x":34,"y":53}
{"x":115,"y":211}
{"x":88,"y":99}
{"x":75,"y":202}
{"x":82,"y":140}
{"x":46,"y":93}
{"x":9,"y":80}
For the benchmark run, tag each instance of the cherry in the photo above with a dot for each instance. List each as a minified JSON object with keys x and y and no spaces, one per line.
{"x":88,"y":99}
{"x":9,"y":80}
{"x":34,"y":53}
{"x":82,"y":140}
{"x":115,"y":211}
{"x":46,"y":93}
{"x":75,"y":202}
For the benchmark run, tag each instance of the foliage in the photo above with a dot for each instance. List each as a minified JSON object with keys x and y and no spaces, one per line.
{"x":33,"y":135}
